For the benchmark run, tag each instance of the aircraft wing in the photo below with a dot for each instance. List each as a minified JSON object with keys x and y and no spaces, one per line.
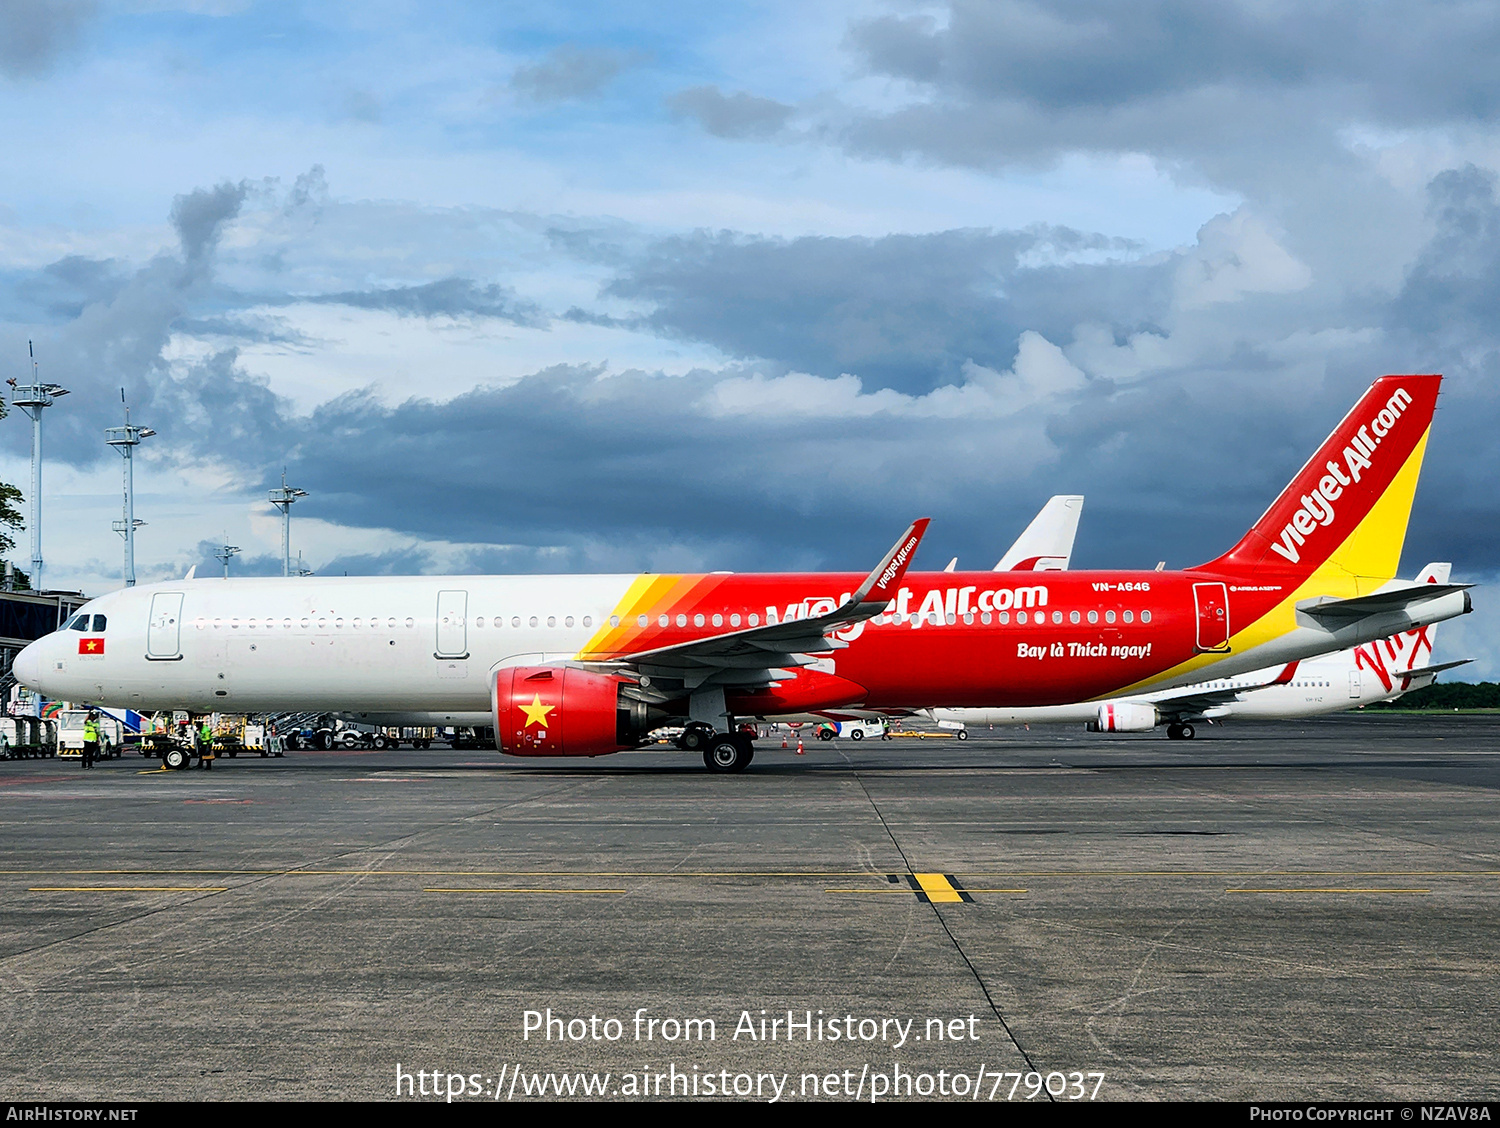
{"x":757,"y":655}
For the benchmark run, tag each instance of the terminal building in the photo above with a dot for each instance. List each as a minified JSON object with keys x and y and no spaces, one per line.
{"x":26,"y":616}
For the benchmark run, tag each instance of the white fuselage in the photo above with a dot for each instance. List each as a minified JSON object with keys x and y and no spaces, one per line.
{"x":420,"y":648}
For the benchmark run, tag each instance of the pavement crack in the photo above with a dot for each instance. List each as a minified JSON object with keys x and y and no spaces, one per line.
{"x":943,"y":923}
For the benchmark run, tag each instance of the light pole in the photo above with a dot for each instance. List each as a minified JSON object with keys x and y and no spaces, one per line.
{"x":225,"y":553}
{"x":32,"y":398}
{"x":282,"y":498}
{"x":125,"y":439}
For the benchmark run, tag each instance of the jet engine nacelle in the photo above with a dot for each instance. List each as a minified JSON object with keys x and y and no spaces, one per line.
{"x":562,"y":711}
{"x":1125,"y":717}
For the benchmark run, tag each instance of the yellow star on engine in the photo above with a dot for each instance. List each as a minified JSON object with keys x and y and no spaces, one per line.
{"x":536,"y":712}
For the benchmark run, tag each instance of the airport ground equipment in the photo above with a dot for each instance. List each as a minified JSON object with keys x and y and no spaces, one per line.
{"x":28,"y":738}
{"x":70,"y":734}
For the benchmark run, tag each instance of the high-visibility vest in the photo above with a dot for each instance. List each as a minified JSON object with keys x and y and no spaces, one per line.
{"x":91,"y":732}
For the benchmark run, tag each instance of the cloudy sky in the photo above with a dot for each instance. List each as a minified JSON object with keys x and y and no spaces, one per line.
{"x":605,"y":286}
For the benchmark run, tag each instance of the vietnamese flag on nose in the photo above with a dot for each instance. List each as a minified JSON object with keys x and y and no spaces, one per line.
{"x":91,"y":646}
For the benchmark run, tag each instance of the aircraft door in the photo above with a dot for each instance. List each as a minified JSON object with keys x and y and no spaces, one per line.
{"x":164,"y":630}
{"x":1356,"y":685}
{"x":1212,"y":602}
{"x":452,"y":624}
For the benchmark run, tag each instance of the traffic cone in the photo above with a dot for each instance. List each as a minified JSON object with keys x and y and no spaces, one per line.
{"x":783,"y":740}
{"x":799,"y":747}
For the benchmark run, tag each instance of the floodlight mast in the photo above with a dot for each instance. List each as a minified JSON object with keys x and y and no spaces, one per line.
{"x":225,"y":554}
{"x":282,"y":498}
{"x":125,"y":439}
{"x":32,"y":398}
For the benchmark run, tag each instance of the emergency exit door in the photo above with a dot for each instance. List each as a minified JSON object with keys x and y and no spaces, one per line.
{"x":1212,"y":603}
{"x":164,"y":631}
{"x":452,"y":626}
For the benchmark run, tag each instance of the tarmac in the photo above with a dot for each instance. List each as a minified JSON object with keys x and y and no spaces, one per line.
{"x":1281,"y":911}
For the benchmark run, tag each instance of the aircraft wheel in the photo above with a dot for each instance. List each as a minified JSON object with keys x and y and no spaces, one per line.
{"x":174,"y":758}
{"x":1187,"y":731}
{"x":695,"y":737}
{"x":1174,"y":732}
{"x":857,"y":734}
{"x":962,"y":734}
{"x":726,"y":754}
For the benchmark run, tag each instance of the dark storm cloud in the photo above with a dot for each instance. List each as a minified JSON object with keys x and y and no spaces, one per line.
{"x":1445,"y":319}
{"x":990,"y":370}
{"x":200,"y":216}
{"x":1029,"y":79}
{"x":447,"y":297}
{"x":902,"y":311}
{"x":34,"y":33}
{"x":731,"y":115}
{"x":571,"y":72}
{"x":61,"y":290}
{"x":118,"y":336}
{"x":1453,"y":287}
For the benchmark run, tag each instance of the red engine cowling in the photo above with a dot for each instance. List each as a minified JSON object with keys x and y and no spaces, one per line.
{"x":1125,"y":717}
{"x":561,"y":711}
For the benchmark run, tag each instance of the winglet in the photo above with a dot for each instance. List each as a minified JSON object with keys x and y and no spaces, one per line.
{"x":191,"y":572}
{"x":881,"y":584}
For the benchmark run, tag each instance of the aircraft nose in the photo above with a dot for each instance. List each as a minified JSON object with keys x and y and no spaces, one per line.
{"x":28,"y":666}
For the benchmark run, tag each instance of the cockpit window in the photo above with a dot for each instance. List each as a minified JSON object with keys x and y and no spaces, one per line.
{"x":99,"y":622}
{"x":79,"y":623}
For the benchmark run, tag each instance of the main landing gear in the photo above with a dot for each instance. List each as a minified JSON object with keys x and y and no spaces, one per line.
{"x":722,"y":751}
{"x":729,"y":752}
{"x":1183,"y":731}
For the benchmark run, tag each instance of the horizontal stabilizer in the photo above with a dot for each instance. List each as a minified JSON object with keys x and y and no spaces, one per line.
{"x":1335,"y":613}
{"x":1429,"y":671}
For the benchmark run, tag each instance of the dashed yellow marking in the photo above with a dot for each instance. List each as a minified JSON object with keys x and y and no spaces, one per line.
{"x":939,"y":888}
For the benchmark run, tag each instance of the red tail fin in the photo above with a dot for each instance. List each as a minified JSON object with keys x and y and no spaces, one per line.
{"x":1348,"y":507}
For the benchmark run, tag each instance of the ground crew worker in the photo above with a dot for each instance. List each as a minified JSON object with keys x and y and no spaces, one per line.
{"x":206,"y":736}
{"x":90,"y":739}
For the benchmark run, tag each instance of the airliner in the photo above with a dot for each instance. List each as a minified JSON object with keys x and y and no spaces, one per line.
{"x":588,"y":665}
{"x":1331,"y":683}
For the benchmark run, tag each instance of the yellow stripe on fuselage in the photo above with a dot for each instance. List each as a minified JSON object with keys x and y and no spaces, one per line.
{"x":607,"y":638}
